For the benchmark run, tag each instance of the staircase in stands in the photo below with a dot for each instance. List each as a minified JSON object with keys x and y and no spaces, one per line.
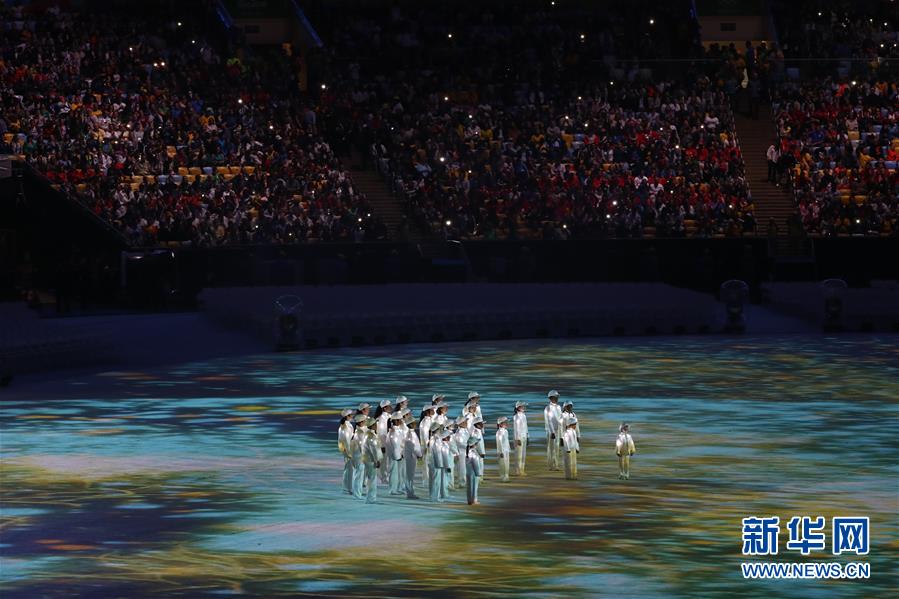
{"x":771,"y":201}
{"x":386,"y":205}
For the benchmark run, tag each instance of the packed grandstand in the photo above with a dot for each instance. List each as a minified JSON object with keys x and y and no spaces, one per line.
{"x":485,"y":123}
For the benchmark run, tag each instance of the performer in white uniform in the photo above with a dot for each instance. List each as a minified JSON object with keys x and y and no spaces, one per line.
{"x":445,"y":438}
{"x":572,"y":448}
{"x":624,"y":449}
{"x":461,"y":440}
{"x":442,"y":408}
{"x":567,"y":415}
{"x":474,"y":398}
{"x":474,"y":464}
{"x":477,"y":432}
{"x":344,"y":441}
{"x":371,"y":457}
{"x":424,"y":436}
{"x":453,"y":455}
{"x":395,"y":441}
{"x":358,"y":446}
{"x":434,"y":462}
{"x":552,"y":415}
{"x":382,"y":415}
{"x":502,"y":448}
{"x":411,"y":454}
{"x":520,"y":436}
{"x":400,"y":415}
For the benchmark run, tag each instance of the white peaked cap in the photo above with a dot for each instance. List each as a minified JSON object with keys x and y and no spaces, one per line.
{"x":370,"y":421}
{"x":426,"y":408}
{"x":461,"y":420}
{"x":436,"y":426}
{"x":552,"y":393}
{"x":502,"y":419}
{"x":567,"y":403}
{"x":477,"y":421}
{"x":360,"y":417}
{"x":384,"y":403}
{"x":362,"y":406}
{"x":572,"y":421}
{"x":346,"y":412}
{"x":437,"y":396}
{"x":521,"y":404}
{"x":473,"y":395}
{"x":401,"y":398}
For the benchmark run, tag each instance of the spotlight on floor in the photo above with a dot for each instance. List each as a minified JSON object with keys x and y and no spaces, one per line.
{"x":287,"y":318}
{"x":833,"y":290}
{"x":734,"y":294}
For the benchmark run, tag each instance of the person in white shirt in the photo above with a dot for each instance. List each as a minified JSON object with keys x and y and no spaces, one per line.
{"x":445,"y":440}
{"x":454,"y":451}
{"x":371,"y":457}
{"x":461,"y":440}
{"x":400,"y":414}
{"x":572,"y":448}
{"x":434,"y":465}
{"x":568,"y":414}
{"x":394,"y":456}
{"x":520,"y":436}
{"x":382,"y":415}
{"x":470,"y":413}
{"x":474,"y":398}
{"x":359,"y":443}
{"x":424,"y":436}
{"x":412,"y":452}
{"x":474,"y":465}
{"x":344,"y":442}
{"x":624,"y":449}
{"x":442,"y":408}
{"x":477,"y":432}
{"x":502,"y":448}
{"x":552,"y":415}
{"x":773,"y":155}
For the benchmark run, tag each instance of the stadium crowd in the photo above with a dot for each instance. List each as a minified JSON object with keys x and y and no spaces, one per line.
{"x":546,"y":124}
{"x":167,"y":137}
{"x":837,"y":115}
{"x":550,"y":122}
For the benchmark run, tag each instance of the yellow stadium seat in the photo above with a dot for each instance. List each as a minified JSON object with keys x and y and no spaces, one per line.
{"x":195,"y":170}
{"x":228,"y":176}
{"x":249,"y":169}
{"x":853,"y":136}
{"x":190,"y":178}
{"x":137,"y":179}
{"x":222,"y":170}
{"x":182,"y":170}
{"x":235,"y":170}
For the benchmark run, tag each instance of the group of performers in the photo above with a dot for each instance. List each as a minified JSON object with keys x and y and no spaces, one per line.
{"x":386,"y":447}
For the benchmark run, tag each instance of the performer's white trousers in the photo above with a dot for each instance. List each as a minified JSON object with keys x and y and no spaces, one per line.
{"x":371,"y":477}
{"x":571,"y":464}
{"x":552,"y":453}
{"x":520,"y":456}
{"x":624,"y":466}
{"x":347,"y":474}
